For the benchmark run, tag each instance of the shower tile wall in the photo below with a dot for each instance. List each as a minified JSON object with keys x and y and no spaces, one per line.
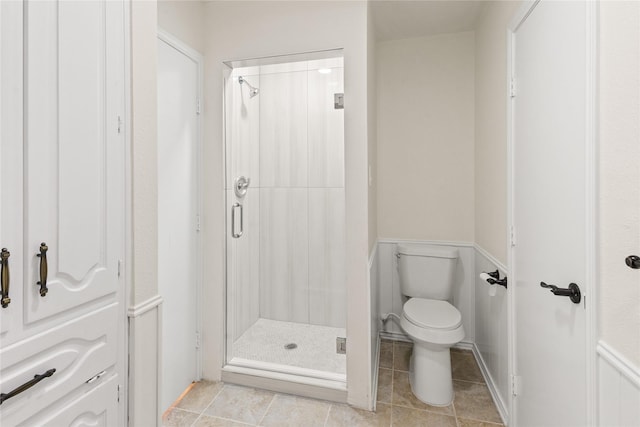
{"x":290,"y":141}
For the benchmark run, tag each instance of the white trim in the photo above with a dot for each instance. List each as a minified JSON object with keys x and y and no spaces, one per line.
{"x":335,"y":391}
{"x":179,"y":45}
{"x":372,"y":257}
{"x":427,"y":242}
{"x":239,"y":362}
{"x":493,"y":260}
{"x":491,"y":385}
{"x":590,"y":200}
{"x":623,"y":365}
{"x":374,"y":381}
{"x":144,"y":306}
{"x":198,"y":58}
{"x":127,"y":118}
{"x":511,"y":299}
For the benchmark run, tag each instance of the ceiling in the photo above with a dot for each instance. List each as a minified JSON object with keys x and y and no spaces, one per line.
{"x":402,"y":19}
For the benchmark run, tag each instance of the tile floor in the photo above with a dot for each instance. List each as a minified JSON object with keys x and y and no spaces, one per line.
{"x":211,"y":404}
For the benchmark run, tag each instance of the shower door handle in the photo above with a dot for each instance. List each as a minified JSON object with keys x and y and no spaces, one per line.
{"x":233,"y":220}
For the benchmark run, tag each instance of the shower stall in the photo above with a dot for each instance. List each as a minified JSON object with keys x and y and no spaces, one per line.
{"x":285,"y":208}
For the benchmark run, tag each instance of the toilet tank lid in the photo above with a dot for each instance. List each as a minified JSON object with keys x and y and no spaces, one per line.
{"x":428,"y":251}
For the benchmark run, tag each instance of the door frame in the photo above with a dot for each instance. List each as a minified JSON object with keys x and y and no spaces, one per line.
{"x":591,"y":180}
{"x":196,"y":57}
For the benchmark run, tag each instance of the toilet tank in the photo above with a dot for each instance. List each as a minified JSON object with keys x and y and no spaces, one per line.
{"x":426,"y":271}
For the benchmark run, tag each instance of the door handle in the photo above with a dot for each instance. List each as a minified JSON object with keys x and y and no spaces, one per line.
{"x":4,"y":274}
{"x":44,"y":269}
{"x":233,"y":221}
{"x":633,"y":261}
{"x":26,"y":386}
{"x":573,"y":291}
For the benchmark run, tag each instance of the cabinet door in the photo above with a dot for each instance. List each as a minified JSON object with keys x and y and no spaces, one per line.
{"x":74,"y":153}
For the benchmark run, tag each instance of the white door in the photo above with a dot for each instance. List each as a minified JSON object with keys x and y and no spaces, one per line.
{"x":550,"y":213}
{"x":177,"y":217}
{"x":63,"y":189}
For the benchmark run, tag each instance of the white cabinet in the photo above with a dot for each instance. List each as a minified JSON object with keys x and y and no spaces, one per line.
{"x":62,"y":183}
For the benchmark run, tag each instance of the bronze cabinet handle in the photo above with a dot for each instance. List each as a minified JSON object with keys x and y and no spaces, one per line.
{"x":4,"y":274}
{"x":26,"y":386}
{"x":44,"y":269}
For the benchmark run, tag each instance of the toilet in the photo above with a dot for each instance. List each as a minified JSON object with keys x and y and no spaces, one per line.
{"x":426,"y":277}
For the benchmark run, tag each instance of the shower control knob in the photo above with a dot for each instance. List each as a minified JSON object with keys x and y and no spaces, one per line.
{"x":633,"y":261}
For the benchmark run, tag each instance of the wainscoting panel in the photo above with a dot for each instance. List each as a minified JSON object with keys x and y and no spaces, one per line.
{"x":618,"y":389}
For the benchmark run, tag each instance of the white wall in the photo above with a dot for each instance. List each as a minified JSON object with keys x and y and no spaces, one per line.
{"x":491,"y":328}
{"x":490,"y":180}
{"x":183,"y":19}
{"x":240,"y":30}
{"x":619,"y":228}
{"x":425,"y":89}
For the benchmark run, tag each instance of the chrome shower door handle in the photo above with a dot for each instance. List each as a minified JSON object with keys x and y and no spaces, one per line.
{"x":233,"y":220}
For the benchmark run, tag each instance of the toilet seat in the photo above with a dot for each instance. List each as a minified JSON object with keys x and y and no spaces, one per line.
{"x":421,"y":320}
{"x":433,"y":314}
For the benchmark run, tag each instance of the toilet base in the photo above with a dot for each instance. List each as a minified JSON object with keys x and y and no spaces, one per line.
{"x":430,"y":373}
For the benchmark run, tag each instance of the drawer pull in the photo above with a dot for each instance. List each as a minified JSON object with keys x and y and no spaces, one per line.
{"x":26,"y":386}
{"x":44,"y":269}
{"x":4,"y":261}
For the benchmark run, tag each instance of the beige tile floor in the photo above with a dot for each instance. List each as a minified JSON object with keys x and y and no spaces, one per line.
{"x":210,"y":404}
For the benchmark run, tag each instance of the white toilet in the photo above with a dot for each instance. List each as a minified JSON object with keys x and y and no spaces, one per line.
{"x":433,"y":324}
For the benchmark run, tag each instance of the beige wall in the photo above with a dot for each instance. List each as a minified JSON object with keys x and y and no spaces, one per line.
{"x":491,"y":127}
{"x":241,"y":30}
{"x":144,"y":57}
{"x":619,"y":145}
{"x":372,"y":131}
{"x":184,"y":19}
{"x":425,"y":90}
{"x":143,"y":273}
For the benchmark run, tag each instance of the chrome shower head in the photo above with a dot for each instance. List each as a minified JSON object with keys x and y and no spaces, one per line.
{"x":253,"y":91}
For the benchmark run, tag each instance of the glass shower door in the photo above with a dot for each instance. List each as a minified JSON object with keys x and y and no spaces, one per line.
{"x":286,"y":294}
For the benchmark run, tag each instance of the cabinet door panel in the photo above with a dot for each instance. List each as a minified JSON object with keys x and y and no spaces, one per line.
{"x":73,"y":152}
{"x":97,"y":407}
{"x":78,"y":350}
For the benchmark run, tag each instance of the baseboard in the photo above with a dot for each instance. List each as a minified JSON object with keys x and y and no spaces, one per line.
{"x":495,"y":395}
{"x":376,"y":370}
{"x":394,"y":336}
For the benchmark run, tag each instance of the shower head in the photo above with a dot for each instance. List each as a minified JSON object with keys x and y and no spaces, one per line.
{"x":253,"y":90}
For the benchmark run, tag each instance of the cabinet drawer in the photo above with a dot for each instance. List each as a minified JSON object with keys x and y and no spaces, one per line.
{"x":77,"y":350}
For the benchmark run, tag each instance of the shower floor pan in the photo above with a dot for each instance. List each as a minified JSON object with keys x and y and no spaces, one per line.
{"x":295,"y":348}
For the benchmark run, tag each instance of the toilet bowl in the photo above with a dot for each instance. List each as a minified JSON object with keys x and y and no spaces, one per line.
{"x":426,"y":277}
{"x":433,"y":326}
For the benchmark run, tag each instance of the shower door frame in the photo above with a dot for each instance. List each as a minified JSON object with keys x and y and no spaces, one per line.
{"x":292,"y":380}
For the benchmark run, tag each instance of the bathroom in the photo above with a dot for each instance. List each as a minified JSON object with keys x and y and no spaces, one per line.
{"x":325,"y":144}
{"x":424,"y":127}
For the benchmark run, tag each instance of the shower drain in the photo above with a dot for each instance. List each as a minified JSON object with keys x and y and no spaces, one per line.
{"x":291,"y":346}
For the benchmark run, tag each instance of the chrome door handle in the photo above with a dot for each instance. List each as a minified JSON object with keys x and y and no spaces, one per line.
{"x":233,"y":221}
